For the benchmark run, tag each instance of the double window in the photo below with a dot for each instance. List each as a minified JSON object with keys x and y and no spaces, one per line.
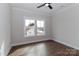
{"x":34,"y":27}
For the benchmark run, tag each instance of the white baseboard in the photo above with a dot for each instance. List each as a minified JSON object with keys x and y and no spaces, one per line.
{"x":21,"y":43}
{"x":65,"y":43}
{"x":73,"y":46}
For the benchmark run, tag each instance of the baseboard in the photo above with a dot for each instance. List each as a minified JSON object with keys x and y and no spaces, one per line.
{"x":64,"y":43}
{"x":21,"y":43}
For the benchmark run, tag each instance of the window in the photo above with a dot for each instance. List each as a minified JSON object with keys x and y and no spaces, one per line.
{"x":34,"y":27}
{"x":29,"y":27}
{"x":40,"y":27}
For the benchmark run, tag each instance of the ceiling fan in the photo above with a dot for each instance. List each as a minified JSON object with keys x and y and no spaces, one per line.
{"x":46,"y":4}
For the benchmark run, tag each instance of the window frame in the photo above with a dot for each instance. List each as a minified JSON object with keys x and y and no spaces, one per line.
{"x":35,"y":30}
{"x":44,"y":28}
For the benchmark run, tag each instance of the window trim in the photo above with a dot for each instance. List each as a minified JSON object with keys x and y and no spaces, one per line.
{"x":35,"y":30}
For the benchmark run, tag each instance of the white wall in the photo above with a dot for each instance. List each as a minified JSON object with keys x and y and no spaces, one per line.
{"x":65,"y":27}
{"x":4,"y":29}
{"x":18,"y":26}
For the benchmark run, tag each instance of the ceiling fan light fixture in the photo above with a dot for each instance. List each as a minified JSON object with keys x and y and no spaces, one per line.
{"x":47,"y":4}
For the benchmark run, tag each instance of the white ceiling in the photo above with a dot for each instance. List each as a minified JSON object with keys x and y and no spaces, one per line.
{"x":32,"y":6}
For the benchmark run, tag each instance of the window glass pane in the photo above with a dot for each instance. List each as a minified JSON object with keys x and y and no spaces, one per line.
{"x":29,"y":27}
{"x":40,"y":27}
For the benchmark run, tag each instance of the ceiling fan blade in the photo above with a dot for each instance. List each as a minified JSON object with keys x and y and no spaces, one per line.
{"x":41,"y":5}
{"x":50,"y":6}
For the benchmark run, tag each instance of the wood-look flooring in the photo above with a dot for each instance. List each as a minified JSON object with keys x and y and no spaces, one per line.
{"x":45,"y":48}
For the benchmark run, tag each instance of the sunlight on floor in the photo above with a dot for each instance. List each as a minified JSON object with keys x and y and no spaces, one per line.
{"x":37,"y":50}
